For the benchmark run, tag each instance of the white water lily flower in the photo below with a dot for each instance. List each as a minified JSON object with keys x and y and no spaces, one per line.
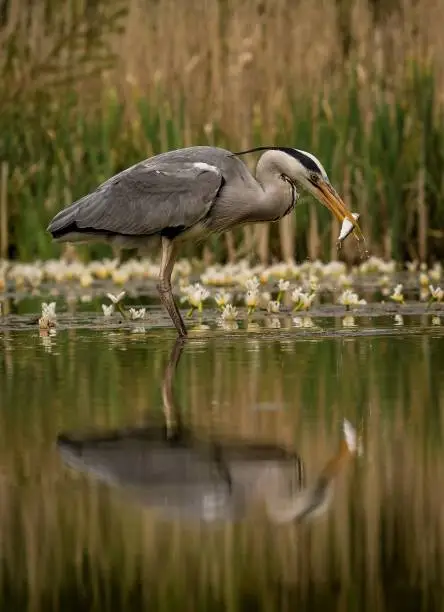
{"x":48,"y":318}
{"x":107,"y":310}
{"x":115,"y":299}
{"x":273,"y":306}
{"x":195,"y":295}
{"x":120,"y":276}
{"x":301,"y":300}
{"x":435,"y":273}
{"x":423,"y":279}
{"x":384,"y":281}
{"x":397,"y":295}
{"x":229,"y":313}
{"x":137,"y":314}
{"x":296,"y":295}
{"x":251,"y":300}
{"x":283,"y":285}
{"x":222,"y":298}
{"x":423,"y":294}
{"x":252,"y":284}
{"x":313,"y":284}
{"x":86,"y":279}
{"x":350,"y":298}
{"x":436,"y":293}
{"x":264,"y":298}
{"x":48,"y":310}
{"x":186,"y":290}
{"x":345,"y":281}
{"x":306,"y":301}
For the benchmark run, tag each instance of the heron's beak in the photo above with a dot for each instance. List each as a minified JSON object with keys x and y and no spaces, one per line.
{"x":331,"y":199}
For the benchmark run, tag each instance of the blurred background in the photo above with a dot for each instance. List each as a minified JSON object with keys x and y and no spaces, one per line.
{"x":90,"y":87}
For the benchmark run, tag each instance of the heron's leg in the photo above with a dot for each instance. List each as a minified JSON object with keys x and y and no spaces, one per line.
{"x":167,"y":260}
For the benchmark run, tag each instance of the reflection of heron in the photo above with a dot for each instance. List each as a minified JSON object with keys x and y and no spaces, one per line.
{"x":190,"y":193}
{"x":194,"y":476}
{"x":313,"y":500}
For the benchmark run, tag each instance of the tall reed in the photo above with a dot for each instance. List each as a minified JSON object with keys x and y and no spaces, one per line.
{"x":365,"y":97}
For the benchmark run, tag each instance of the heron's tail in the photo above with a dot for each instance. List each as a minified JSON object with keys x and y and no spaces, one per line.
{"x":64,"y":222}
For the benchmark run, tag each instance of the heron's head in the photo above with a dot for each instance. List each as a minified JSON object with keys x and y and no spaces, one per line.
{"x":307,"y":172}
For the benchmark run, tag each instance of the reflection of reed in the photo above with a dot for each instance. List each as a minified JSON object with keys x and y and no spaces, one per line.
{"x":382,"y":541}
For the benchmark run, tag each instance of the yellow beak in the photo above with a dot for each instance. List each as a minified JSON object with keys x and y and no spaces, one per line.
{"x":328,"y":196}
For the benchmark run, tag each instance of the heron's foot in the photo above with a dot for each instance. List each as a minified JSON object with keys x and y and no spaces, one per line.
{"x":183,"y":334}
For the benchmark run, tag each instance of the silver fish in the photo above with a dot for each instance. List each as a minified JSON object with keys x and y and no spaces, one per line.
{"x":347,"y":227}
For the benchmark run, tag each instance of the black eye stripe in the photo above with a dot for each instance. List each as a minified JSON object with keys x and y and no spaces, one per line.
{"x":306,"y":161}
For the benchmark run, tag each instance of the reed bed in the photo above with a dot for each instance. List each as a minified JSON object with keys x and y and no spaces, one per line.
{"x":66,"y":542}
{"x":90,"y":89}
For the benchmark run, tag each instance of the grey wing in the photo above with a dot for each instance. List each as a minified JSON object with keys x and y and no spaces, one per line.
{"x":143,"y":200}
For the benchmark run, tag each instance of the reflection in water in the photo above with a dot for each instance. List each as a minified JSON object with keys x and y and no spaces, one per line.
{"x":313,"y":500}
{"x":70,"y":542}
{"x":188,"y":475}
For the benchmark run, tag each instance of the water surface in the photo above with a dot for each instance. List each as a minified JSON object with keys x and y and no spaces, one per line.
{"x":85,"y":412}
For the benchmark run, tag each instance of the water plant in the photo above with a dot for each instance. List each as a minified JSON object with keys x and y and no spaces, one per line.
{"x":397,"y":296}
{"x":117,"y":302}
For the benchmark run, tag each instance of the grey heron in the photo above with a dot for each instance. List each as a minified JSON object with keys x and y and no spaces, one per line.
{"x":190,"y":193}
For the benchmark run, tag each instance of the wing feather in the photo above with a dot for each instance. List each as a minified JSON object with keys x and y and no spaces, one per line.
{"x":145,"y":199}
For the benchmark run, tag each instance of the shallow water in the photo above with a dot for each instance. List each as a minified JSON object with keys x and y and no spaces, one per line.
{"x":132,"y":479}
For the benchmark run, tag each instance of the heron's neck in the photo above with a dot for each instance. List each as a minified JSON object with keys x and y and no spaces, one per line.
{"x":276,"y":196}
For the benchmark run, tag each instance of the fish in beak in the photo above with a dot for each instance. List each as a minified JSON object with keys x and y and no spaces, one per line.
{"x":346,"y":228}
{"x":331,"y":199}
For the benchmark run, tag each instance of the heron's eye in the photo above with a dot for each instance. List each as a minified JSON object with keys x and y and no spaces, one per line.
{"x":314,"y":178}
